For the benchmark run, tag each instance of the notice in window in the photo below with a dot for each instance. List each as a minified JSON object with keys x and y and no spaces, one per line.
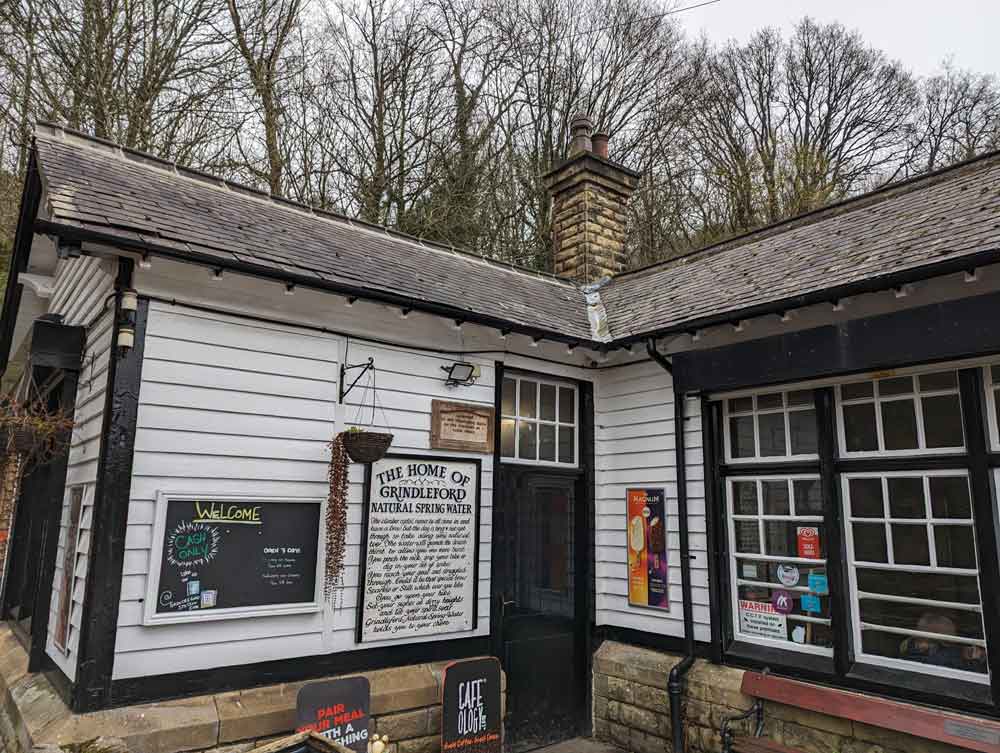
{"x":420,"y":532}
{"x":763,"y":620}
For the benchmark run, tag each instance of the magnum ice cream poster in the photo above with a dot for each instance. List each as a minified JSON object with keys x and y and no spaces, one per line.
{"x":647,"y":548}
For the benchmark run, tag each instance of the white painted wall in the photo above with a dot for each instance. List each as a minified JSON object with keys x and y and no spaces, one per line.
{"x":635,"y":441}
{"x":235,"y":406}
{"x":81,"y":288}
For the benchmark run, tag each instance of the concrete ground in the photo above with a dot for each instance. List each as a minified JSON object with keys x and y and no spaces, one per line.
{"x":580,"y":745}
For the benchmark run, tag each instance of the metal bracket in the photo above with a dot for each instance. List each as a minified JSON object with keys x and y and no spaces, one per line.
{"x":365,"y":367}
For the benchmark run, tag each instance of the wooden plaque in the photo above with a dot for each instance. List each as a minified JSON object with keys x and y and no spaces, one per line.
{"x":462,"y":427}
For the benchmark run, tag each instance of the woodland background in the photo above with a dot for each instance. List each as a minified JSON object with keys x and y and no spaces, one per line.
{"x":438,"y":117}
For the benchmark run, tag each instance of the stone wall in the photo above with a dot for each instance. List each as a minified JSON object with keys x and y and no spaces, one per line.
{"x":405,"y":705}
{"x":632,"y":710}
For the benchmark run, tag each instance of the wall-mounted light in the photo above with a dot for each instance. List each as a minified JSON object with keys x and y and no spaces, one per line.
{"x":290,"y":288}
{"x":126,"y":337}
{"x":460,"y":373}
{"x":130,"y":300}
{"x":216,"y":275}
{"x":145,"y":263}
{"x":971,"y":275}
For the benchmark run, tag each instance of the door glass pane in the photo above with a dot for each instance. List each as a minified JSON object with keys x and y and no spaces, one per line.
{"x":567,"y":405}
{"x":772,"y":434}
{"x":906,"y":498}
{"x":909,"y":545}
{"x":866,"y":498}
{"x":547,"y":442}
{"x":775,"y":495}
{"x":507,"y":397}
{"x":547,"y":408}
{"x":950,"y":497}
{"x":745,"y":497}
{"x":869,"y":542}
{"x":567,"y":450}
{"x":529,"y":399}
{"x":741,"y":436}
{"x":527,"y":440}
{"x":859,"y":427}
{"x":507,"y":437}
{"x":802,"y":426}
{"x":899,"y":425}
{"x":943,"y":421}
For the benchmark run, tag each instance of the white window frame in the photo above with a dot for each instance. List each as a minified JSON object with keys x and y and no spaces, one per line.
{"x":785,"y":410}
{"x":877,"y":400}
{"x":853,"y":565}
{"x":736,"y":580}
{"x":538,"y":421}
{"x":991,"y":405}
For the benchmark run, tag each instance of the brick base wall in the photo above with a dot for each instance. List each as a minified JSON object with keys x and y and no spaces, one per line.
{"x":632,"y":710}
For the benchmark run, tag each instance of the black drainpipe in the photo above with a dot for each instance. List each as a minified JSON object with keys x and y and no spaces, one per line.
{"x":675,"y":683}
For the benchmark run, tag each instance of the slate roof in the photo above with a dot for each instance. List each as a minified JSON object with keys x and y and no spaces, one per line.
{"x":918,"y":228}
{"x":97,"y":187}
{"x":909,"y":228}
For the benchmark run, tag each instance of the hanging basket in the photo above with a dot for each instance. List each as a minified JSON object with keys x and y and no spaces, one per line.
{"x":366,"y":446}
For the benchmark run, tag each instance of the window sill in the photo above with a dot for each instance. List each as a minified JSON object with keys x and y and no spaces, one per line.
{"x":912,"y":684}
{"x":775,"y":658}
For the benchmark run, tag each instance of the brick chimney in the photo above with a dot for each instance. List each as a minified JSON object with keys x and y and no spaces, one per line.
{"x":589,"y":193}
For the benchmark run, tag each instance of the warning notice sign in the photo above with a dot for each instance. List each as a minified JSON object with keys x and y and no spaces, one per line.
{"x":761,"y":619}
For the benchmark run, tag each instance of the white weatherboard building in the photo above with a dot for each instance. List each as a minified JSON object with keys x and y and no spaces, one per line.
{"x":779,"y":452}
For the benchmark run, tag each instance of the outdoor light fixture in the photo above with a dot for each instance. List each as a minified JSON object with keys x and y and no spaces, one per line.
{"x":971,"y":275}
{"x":126,"y":337}
{"x":130,"y":300}
{"x":145,"y":263}
{"x":460,"y":373}
{"x":216,"y":275}
{"x":290,"y":289}
{"x":350,"y":301}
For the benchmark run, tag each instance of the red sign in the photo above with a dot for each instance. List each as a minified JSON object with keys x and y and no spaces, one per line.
{"x":808,"y":541}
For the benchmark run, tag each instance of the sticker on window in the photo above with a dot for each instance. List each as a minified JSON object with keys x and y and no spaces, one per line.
{"x":788,"y":575}
{"x":818,"y":584}
{"x":811,"y":603}
{"x":761,"y":619}
{"x":808,"y":542}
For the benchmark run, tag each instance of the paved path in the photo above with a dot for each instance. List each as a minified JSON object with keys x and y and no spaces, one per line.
{"x":580,"y":745}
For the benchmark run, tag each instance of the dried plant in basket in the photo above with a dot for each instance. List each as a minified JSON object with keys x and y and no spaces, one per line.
{"x":336,"y":517}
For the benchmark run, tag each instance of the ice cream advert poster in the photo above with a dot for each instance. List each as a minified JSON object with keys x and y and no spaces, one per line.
{"x":647,"y":548}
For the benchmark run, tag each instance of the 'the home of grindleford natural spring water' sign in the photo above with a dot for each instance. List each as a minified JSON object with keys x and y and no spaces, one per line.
{"x":420,"y":542}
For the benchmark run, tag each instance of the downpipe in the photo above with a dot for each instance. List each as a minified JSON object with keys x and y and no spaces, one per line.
{"x":675,"y":681}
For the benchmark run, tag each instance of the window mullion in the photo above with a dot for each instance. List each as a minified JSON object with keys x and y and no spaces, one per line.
{"x":835,"y":559}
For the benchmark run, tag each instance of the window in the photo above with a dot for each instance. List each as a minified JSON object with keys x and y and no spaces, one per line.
{"x":771,"y":426}
{"x":777,"y":555}
{"x":992,"y":378}
{"x":913,"y":573}
{"x":919,"y":414}
{"x":538,"y":421}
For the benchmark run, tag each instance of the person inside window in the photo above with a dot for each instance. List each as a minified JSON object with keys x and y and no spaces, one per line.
{"x":942,"y":653}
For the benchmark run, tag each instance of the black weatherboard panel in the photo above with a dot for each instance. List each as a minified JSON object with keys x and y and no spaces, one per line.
{"x":950,"y":330}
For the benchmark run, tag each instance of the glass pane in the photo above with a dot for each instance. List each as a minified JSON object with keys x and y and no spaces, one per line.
{"x":938,"y":619}
{"x":909,"y":544}
{"x":567,"y":450}
{"x":769,"y":402}
{"x":747,"y":536}
{"x":950,"y":497}
{"x":856,"y":391}
{"x":507,"y":397}
{"x":744,"y":497}
{"x":943,"y":380}
{"x":775,"y":495}
{"x":800,"y":397}
{"x":567,"y":405}
{"x":943,"y":421}
{"x":995,"y":372}
{"x":906,"y":498}
{"x":996,"y":405}
{"x":895,"y":386}
{"x":802,"y":426}
{"x":781,"y":538}
{"x":869,"y":542}
{"x":547,"y":441}
{"x":939,"y":652}
{"x":741,"y":437}
{"x":860,"y":433}
{"x":529,"y":398}
{"x":526,"y":438}
{"x":899,"y":425}
{"x":772,"y":434}
{"x":547,"y":407}
{"x":808,"y":497}
{"x":956,"y":547}
{"x":507,"y":438}
{"x":741,"y":405}
{"x":812,"y":633}
{"x":866,"y":498}
{"x":961,"y":589}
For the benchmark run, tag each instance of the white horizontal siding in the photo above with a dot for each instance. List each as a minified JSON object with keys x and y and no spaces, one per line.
{"x":236,"y":406}
{"x":635,"y":446}
{"x":80,"y":292}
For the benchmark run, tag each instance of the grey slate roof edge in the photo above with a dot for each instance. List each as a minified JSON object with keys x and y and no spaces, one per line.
{"x":58,"y":130}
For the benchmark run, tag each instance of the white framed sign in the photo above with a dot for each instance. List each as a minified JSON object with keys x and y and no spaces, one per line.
{"x":218,"y":557}
{"x":420,"y":547}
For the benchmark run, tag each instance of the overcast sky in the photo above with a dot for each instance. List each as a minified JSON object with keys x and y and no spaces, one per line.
{"x":921,"y":33}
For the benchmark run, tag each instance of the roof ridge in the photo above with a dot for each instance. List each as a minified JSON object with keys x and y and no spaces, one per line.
{"x":181,"y":170}
{"x":884,"y":192}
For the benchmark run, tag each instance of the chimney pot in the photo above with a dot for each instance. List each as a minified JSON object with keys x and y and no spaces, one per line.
{"x":580,"y":127}
{"x":600,"y":143}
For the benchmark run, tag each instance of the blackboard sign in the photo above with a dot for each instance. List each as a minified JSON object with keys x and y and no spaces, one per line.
{"x":420,"y":548}
{"x":216,"y":558}
{"x":470,"y":706}
{"x":336,"y":709}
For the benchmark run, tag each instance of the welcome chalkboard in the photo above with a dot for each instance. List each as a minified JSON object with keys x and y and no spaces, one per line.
{"x":245,"y":555}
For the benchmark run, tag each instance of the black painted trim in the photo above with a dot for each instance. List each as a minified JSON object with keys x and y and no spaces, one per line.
{"x":222,"y":679}
{"x":585,"y":537}
{"x":497,"y":549}
{"x":711,"y":453}
{"x":98,"y":631}
{"x":671,"y":644}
